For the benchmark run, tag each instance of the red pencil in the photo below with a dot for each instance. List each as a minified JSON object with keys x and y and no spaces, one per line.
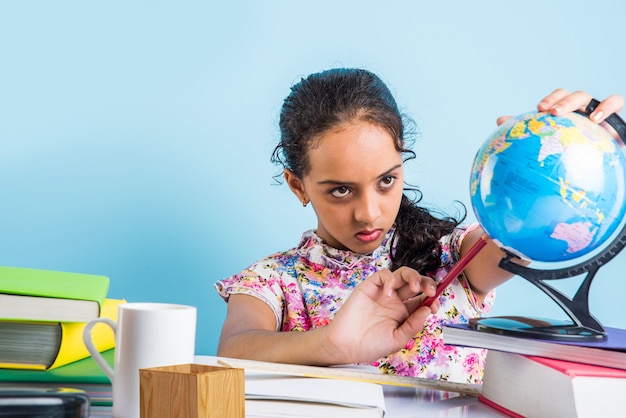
{"x":457,"y":269}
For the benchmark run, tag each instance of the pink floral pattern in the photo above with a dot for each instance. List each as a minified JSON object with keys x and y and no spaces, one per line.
{"x":305,"y":286}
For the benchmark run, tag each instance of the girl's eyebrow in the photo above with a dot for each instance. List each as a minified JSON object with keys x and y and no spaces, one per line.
{"x":347,"y":183}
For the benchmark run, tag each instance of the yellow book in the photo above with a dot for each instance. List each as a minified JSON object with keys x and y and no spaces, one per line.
{"x":46,"y":346}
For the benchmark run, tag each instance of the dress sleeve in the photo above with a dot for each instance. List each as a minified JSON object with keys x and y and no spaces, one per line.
{"x":259,"y":282}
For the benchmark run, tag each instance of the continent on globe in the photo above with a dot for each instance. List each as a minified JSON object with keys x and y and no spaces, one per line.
{"x":549,"y":188}
{"x":577,"y":235}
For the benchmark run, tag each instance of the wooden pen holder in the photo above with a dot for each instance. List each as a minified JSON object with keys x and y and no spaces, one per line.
{"x":192,"y":391}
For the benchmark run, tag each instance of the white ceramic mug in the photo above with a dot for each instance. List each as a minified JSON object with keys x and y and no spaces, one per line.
{"x":146,"y":335}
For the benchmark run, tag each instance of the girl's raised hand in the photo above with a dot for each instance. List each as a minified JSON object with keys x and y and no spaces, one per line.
{"x":561,"y":101}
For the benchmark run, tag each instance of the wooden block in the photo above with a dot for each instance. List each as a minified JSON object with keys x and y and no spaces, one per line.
{"x":192,"y":391}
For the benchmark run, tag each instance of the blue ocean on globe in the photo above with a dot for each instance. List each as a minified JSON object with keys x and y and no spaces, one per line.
{"x":549,"y":188}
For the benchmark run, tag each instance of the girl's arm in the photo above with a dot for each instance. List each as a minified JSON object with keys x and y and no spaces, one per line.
{"x":483,"y":272}
{"x":375,"y":320}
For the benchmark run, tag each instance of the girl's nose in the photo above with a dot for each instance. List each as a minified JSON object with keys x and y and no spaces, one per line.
{"x":368,"y":209}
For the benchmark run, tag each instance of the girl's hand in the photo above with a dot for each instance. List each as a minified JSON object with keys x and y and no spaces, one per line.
{"x":561,"y":101}
{"x":380,"y":316}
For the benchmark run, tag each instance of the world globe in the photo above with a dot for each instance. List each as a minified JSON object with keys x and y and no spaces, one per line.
{"x":549,"y":188}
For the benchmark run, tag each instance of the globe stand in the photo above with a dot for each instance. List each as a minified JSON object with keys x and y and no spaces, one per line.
{"x":584,"y":326}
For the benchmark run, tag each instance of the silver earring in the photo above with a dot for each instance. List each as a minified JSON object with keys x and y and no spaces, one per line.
{"x":304,"y":203}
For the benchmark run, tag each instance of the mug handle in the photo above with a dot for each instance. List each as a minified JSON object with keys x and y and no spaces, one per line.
{"x":93,"y":350}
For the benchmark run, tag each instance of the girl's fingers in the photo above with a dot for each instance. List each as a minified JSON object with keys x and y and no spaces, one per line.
{"x":612,"y":104}
{"x":551,"y":99}
{"x":560,"y":102}
{"x":408,"y":283}
{"x":502,"y":119}
{"x":414,"y":323}
{"x":416,"y":303}
{"x":570,"y":103}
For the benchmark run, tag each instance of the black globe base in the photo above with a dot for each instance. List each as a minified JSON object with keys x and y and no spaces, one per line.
{"x":541,"y":328}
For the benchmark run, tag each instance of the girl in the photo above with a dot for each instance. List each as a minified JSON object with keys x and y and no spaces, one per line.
{"x":352,"y":287}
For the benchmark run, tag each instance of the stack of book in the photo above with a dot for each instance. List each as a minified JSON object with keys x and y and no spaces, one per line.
{"x":43,"y":315}
{"x":532,"y":377}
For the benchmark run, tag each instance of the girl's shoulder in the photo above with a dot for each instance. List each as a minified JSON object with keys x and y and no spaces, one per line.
{"x":278,"y":261}
{"x":452,"y":242}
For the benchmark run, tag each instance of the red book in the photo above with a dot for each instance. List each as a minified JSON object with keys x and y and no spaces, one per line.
{"x":526,"y":386}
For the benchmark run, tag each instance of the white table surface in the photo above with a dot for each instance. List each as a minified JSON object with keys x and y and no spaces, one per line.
{"x":403,"y":402}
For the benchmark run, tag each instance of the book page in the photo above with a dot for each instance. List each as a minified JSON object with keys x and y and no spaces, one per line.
{"x":311,"y":389}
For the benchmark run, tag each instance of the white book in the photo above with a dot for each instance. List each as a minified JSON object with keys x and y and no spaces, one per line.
{"x":271,"y":395}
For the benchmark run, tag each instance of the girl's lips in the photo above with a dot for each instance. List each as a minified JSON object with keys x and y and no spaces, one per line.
{"x":368,"y":236}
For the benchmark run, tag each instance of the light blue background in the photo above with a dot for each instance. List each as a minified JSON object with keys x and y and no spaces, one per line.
{"x":135,"y":136}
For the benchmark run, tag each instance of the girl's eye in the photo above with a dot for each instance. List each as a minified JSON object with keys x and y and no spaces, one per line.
{"x":387,"y":182}
{"x":340,"y":192}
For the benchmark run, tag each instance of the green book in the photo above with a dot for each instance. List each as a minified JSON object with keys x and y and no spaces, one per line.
{"x":45,"y":295}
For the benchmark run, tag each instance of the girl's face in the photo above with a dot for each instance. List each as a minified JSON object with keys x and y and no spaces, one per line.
{"x":355,"y":184}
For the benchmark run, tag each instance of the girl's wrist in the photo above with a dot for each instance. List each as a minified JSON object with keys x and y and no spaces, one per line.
{"x":325,"y":350}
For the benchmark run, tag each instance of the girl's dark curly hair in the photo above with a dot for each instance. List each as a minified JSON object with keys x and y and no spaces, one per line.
{"x":325,"y":100}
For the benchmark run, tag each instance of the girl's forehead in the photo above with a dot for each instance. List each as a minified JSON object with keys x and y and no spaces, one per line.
{"x":354,"y":134}
{"x":356,"y":151}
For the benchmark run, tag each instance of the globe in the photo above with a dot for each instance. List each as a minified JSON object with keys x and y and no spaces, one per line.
{"x":549,"y":188}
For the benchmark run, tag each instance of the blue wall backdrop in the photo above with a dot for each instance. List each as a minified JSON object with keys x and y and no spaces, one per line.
{"x":135,"y":135}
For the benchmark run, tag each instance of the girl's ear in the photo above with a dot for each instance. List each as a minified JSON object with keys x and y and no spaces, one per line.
{"x":296,"y":186}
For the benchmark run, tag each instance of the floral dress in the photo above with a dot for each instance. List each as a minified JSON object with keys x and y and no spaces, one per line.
{"x":306,"y":285}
